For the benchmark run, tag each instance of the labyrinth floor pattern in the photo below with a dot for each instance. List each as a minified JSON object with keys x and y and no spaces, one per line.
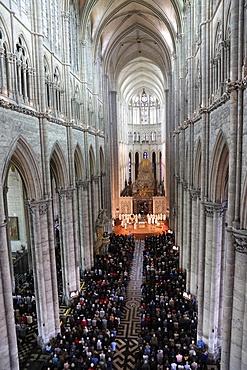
{"x":129,"y":328}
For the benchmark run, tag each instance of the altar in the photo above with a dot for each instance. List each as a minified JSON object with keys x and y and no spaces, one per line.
{"x":142,"y":224}
{"x":147,"y":196}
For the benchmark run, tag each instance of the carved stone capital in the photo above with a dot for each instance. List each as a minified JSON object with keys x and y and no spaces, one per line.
{"x":65,"y":15}
{"x":43,"y":208}
{"x":69,"y":193}
{"x":185,"y":185}
{"x":240,"y":241}
{"x":95,"y":179}
{"x":195,"y":194}
{"x":85,"y":185}
{"x":215,"y":208}
{"x":209,"y":210}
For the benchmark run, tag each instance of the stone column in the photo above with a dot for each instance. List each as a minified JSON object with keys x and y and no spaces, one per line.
{"x":184,"y":222}
{"x":24,"y":71}
{"x":215,"y":283}
{"x":81,"y":220}
{"x":204,"y":163}
{"x":182,"y":195}
{"x":189,"y":226}
{"x":95,"y":197}
{"x":114,"y":165}
{"x":86,"y":225}
{"x":75,"y":237}
{"x":8,"y":347}
{"x":19,"y":83}
{"x":40,"y":272}
{"x":11,"y":75}
{"x":230,"y":254}
{"x":207,"y":271}
{"x":31,"y":85}
{"x":2,"y":62}
{"x":195,"y":222}
{"x":67,"y":242}
{"x":244,"y":344}
{"x":53,"y":266}
{"x":239,"y":302}
{"x":5,"y":191}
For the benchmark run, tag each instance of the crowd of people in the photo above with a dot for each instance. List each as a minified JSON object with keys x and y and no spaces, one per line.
{"x":88,"y":335}
{"x":24,"y":306}
{"x":168,"y":317}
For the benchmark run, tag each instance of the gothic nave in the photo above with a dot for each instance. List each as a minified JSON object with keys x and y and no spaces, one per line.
{"x":127,"y":114}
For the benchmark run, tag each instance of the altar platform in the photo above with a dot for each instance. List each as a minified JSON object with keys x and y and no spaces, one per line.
{"x":142,"y":230}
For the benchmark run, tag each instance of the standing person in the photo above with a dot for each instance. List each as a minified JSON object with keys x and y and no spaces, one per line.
{"x":187,"y":366}
{"x":204,"y":360}
{"x":174,"y":365}
{"x":194,"y":365}
{"x":145,"y":366}
{"x":109,"y":363}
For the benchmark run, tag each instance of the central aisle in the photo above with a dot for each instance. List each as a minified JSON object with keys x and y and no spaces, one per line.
{"x":129,"y":328}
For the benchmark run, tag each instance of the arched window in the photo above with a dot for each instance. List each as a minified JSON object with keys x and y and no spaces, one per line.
{"x":73,"y":36}
{"x":136,"y":164}
{"x":4,"y":79}
{"x":23,"y":72}
{"x":55,"y":21}
{"x":145,"y":154}
{"x":154,"y":164}
{"x":130,"y":169}
{"x":57,"y":91}
{"x":76,"y":105}
{"x":47,"y":88}
{"x":216,"y":64}
{"x":153,"y":136}
{"x":144,"y":109}
{"x":45,"y":19}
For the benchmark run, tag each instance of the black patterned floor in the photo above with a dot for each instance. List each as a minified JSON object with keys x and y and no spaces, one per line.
{"x":31,"y":357}
{"x":129,"y":328}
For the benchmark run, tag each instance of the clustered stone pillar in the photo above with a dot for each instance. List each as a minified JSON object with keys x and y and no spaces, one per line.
{"x":238,"y":334}
{"x":195,"y":221}
{"x":66,"y":241}
{"x":8,"y":347}
{"x":86,"y":214}
{"x":43,"y":256}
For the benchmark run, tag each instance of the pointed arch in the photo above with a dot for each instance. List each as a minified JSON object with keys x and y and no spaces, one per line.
{"x":58,"y":166}
{"x":197,"y":166}
{"x":22,"y":44}
{"x":4,"y":32}
{"x":218,"y":183}
{"x":80,"y":173}
{"x":22,"y":157}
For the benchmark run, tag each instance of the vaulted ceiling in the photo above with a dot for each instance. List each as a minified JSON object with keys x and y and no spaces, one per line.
{"x":136,"y":41}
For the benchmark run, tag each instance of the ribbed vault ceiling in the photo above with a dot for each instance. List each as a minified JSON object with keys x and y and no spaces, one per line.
{"x":136,"y":41}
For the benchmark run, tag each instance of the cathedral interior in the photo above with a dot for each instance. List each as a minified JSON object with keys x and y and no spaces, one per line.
{"x":128,"y":114}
